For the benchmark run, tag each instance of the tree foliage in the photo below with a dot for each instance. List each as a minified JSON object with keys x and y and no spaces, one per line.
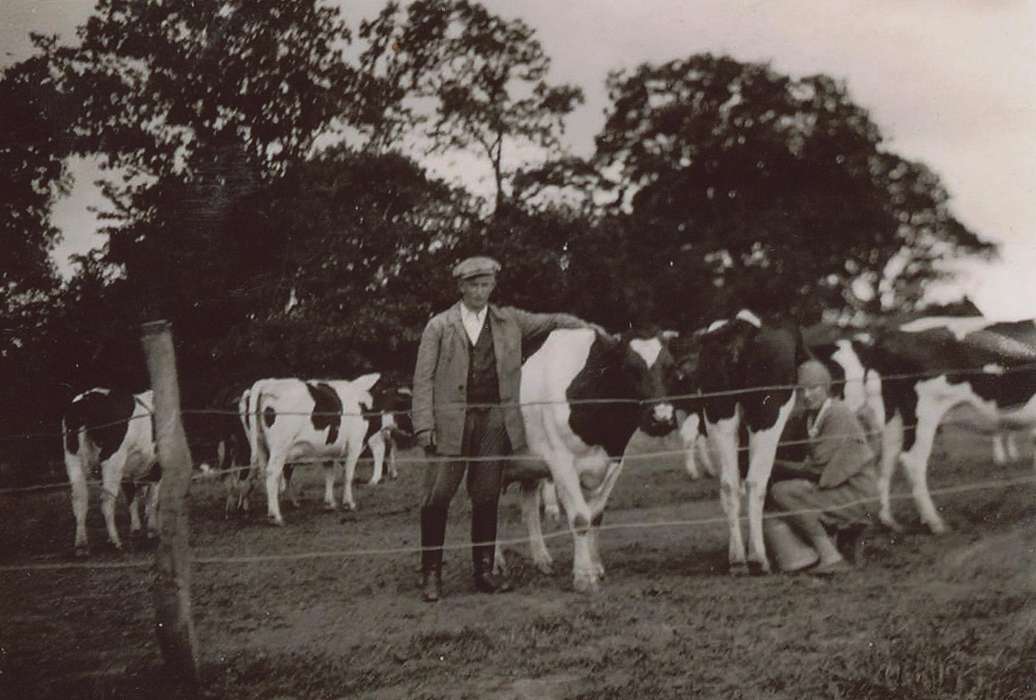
{"x":779,"y":184}
{"x":714,"y":184}
{"x":485,"y":76}
{"x":33,"y":147}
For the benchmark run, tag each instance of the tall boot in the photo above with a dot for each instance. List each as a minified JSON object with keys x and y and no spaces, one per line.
{"x":483,"y":538}
{"x":433,"y":534}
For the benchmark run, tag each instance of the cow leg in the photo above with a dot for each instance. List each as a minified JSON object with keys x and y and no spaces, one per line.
{"x":593,"y":538}
{"x":934,"y":399}
{"x":762,"y":450}
{"x":80,"y":502}
{"x":723,"y":444}
{"x":549,"y":498}
{"x":562,"y":468}
{"x":230,"y":486}
{"x":109,"y":494}
{"x":689,"y":434}
{"x":377,"y":448}
{"x":352,"y":456}
{"x":891,"y":448}
{"x":1012,"y":446}
{"x":390,"y":458}
{"x":131,"y":492}
{"x":329,"y":485}
{"x":1000,"y":448}
{"x":274,"y":469}
{"x":531,"y":515}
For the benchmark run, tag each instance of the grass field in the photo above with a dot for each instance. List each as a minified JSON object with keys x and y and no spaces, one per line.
{"x":926,"y":617}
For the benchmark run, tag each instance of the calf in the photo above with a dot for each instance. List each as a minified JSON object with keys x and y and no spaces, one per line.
{"x":226,"y":451}
{"x":319,"y":420}
{"x":389,"y":423}
{"x":583,"y":395}
{"x":112,"y":431}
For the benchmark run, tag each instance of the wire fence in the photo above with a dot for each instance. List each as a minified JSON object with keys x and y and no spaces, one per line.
{"x":432,"y":459}
{"x":674,"y":398}
{"x":560,"y":533}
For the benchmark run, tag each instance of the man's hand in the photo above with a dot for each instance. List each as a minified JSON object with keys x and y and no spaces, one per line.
{"x":426,"y":439}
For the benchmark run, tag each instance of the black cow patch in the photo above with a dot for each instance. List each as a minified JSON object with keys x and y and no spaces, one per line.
{"x":609,"y":424}
{"x":905,"y":358}
{"x":743,"y":358}
{"x":327,"y":409}
{"x":106,"y":418}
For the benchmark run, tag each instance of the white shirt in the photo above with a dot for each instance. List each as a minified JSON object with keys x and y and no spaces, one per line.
{"x":473,"y":321}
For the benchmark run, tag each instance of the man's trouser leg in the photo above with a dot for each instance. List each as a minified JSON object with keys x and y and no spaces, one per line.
{"x":485,"y":438}
{"x":441,"y":482}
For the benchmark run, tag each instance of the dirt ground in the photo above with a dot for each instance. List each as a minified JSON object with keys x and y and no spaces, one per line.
{"x":926,"y":617}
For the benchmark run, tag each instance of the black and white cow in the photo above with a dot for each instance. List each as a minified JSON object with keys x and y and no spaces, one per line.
{"x":747,"y":371}
{"x":114,"y":432}
{"x":316,"y":420}
{"x":927,"y":367}
{"x":389,"y":423}
{"x":582,"y":397}
{"x":224,"y":447}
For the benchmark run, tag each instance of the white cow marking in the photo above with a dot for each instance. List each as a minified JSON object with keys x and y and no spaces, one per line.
{"x":960,"y":326}
{"x":648,"y":349}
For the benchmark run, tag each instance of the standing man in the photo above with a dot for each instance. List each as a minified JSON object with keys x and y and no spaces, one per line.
{"x":466,"y":384}
{"x":834,"y":488}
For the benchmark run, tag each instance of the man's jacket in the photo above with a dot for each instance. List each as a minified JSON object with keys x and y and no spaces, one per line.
{"x":441,"y":371}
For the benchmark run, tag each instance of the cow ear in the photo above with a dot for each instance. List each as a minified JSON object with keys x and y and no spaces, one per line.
{"x":367,"y":381}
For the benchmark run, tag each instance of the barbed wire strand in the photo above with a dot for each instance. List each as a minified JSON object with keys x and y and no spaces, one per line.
{"x":391,"y":551}
{"x":214,"y":474}
{"x":931,"y":374}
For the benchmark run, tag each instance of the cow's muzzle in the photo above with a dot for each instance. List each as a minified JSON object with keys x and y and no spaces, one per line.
{"x":659,"y":419}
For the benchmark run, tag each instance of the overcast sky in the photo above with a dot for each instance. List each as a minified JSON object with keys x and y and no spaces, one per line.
{"x":949,"y":82}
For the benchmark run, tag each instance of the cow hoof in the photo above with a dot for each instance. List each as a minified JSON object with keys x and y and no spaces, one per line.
{"x":938,"y":527}
{"x":82,"y":551}
{"x":739,"y":568}
{"x":272,"y":520}
{"x":545,"y":567}
{"x":586,"y":584}
{"x":374,"y":482}
{"x":891,"y":524}
{"x":330,"y":507}
{"x":758,"y":568}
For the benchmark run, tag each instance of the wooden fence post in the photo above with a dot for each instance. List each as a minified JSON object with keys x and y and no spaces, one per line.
{"x":174,"y":622}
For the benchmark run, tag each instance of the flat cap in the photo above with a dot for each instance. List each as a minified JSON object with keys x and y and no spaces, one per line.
{"x":473,"y":267}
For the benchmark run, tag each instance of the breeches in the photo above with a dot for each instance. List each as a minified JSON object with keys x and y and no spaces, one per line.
{"x":812,"y":511}
{"x":485,"y":436}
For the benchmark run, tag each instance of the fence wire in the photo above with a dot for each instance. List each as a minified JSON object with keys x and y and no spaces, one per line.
{"x":464,"y":546}
{"x":698,"y":396}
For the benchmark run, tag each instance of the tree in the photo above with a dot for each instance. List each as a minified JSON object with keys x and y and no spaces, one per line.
{"x":780,"y":185}
{"x":33,"y":146}
{"x":158,"y":81}
{"x":485,"y":77}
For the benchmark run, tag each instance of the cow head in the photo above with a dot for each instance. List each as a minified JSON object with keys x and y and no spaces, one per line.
{"x":647,"y":371}
{"x":396,"y":404}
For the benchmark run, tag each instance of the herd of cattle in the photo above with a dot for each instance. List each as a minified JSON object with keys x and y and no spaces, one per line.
{"x":729,"y":389}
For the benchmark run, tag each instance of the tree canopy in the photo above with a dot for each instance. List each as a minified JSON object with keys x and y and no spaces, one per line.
{"x":264,"y":197}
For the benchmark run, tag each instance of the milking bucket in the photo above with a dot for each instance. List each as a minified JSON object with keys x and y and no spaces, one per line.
{"x":787,"y":548}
